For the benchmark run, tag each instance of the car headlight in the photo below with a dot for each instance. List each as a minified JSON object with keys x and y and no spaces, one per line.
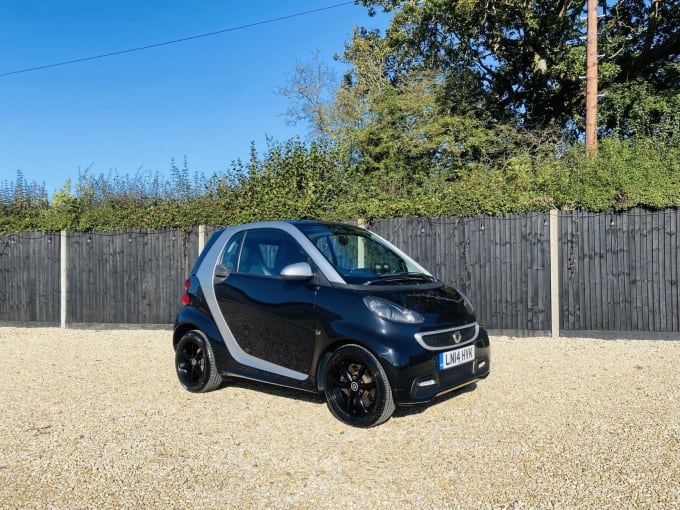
{"x":391,"y":311}
{"x":468,"y":304}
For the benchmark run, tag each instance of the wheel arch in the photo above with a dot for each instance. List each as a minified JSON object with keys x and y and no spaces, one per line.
{"x":190,"y":319}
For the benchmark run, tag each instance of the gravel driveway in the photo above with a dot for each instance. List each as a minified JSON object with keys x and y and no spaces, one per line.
{"x":97,"y":419}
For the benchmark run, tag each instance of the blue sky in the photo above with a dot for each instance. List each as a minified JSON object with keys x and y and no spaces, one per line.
{"x":205,"y":99}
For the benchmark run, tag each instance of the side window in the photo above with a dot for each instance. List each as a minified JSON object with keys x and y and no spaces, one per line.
{"x":230,"y":255}
{"x":268,"y":251}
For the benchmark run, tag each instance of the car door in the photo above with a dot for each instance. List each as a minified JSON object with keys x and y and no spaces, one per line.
{"x":271,"y":318}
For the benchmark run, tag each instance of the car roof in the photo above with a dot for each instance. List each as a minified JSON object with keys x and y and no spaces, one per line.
{"x":274,"y":223}
{"x":278,"y":223}
{"x":295,"y":223}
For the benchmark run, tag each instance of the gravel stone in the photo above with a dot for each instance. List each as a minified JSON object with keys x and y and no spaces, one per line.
{"x":97,"y":419}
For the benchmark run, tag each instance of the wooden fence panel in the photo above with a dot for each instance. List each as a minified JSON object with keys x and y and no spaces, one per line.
{"x":29,"y":277}
{"x":619,"y":271}
{"x":501,"y":263}
{"x":128,"y":277}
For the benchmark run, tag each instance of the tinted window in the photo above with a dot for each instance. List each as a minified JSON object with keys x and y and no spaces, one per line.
{"x":230,"y":255}
{"x":268,"y":251}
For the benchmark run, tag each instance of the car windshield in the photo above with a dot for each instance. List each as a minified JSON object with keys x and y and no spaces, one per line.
{"x":362,"y":257}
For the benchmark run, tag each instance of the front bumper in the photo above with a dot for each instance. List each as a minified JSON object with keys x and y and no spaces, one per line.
{"x":425,"y":381}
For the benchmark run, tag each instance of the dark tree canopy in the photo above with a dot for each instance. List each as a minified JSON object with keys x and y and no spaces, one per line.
{"x":524,"y":61}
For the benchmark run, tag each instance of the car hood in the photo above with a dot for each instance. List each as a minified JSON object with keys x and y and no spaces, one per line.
{"x":441,"y":307}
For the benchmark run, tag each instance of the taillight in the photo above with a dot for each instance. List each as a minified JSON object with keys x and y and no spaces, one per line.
{"x":185,"y":297}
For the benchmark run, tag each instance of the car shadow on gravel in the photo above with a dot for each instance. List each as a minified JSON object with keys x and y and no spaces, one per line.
{"x":279,"y":391}
{"x":419,"y":408}
{"x":315,"y":398}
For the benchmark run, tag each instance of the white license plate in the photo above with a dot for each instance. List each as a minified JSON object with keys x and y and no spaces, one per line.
{"x":450,"y":359}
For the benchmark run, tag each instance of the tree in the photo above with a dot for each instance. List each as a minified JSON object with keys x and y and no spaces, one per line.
{"x":411,"y":123}
{"x":522,"y":61}
{"x":310,"y":90}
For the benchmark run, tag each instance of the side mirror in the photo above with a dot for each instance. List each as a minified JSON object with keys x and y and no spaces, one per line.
{"x":221,"y":273}
{"x":297,"y":271}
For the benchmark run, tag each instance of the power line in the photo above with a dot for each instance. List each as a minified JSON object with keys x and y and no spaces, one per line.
{"x":175,"y":41}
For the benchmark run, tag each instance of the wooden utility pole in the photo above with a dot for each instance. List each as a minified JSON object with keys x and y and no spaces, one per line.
{"x":591,"y":81}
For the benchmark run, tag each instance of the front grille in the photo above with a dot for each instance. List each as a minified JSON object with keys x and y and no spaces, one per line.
{"x":444,"y":339}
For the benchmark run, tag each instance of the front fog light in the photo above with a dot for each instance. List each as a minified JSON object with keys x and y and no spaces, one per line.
{"x":426,"y":382}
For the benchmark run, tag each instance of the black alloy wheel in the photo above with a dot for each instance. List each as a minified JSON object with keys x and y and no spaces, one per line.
{"x":357,"y":389}
{"x":195,"y":363}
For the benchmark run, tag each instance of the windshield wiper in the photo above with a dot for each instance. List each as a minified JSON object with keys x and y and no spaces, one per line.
{"x":401,"y":277}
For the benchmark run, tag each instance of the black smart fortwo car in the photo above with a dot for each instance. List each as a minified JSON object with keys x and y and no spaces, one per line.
{"x":328,"y":308}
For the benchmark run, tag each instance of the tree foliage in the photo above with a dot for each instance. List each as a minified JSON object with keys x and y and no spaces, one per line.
{"x":522,"y":61}
{"x":461,"y":107}
{"x":309,"y":90}
{"x":317,"y":181}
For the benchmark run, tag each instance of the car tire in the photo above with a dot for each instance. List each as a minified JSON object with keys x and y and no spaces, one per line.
{"x":195,"y":363}
{"x":357,"y":389}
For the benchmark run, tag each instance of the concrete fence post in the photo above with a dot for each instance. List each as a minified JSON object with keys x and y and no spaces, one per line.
{"x":554,"y":274}
{"x":63,"y":269}
{"x":201,"y":239}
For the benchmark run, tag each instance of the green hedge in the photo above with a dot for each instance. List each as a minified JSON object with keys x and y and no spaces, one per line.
{"x":295,"y":180}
